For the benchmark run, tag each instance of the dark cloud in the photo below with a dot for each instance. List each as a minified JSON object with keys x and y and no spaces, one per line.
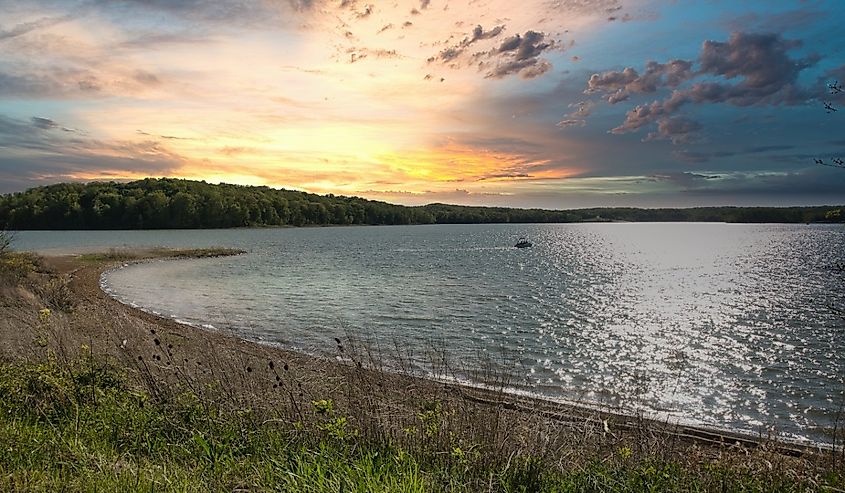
{"x":766,"y":75}
{"x":451,"y":53}
{"x":530,"y":45}
{"x":527,"y":69}
{"x":677,"y":129}
{"x":146,"y":78}
{"x":760,"y":60}
{"x":44,"y":123}
{"x":685,"y":179}
{"x":796,"y":187}
{"x":618,"y":86}
{"x":424,"y":4}
{"x":499,"y":176}
{"x":812,"y":183}
{"x":624,"y":18}
{"x":478,"y":33}
{"x":520,"y":54}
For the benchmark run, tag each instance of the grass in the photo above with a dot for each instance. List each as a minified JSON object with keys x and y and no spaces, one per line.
{"x":129,"y":254}
{"x":81,"y":427}
{"x":16,"y":267}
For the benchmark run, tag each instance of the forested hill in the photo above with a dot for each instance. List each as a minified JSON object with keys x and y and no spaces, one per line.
{"x":172,"y":203}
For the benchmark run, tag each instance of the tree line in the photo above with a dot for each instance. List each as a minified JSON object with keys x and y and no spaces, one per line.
{"x":174,"y":203}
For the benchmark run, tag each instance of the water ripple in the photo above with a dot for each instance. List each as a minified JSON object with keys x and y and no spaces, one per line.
{"x":725,"y":325}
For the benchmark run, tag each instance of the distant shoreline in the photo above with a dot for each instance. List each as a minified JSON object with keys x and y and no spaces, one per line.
{"x":186,"y":204}
{"x":323,"y":226}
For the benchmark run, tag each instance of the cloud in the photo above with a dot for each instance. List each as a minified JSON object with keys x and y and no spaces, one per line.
{"x":761,"y":60}
{"x":55,"y":82}
{"x":478,"y":33}
{"x":583,"y":109}
{"x":146,"y":78}
{"x":358,"y":54}
{"x":704,"y":156}
{"x":219,"y":12}
{"x":619,"y":86}
{"x":524,"y":47}
{"x":527,"y":69}
{"x":520,"y":54}
{"x":572,"y":122}
{"x":366,"y":12}
{"x":686,"y":179}
{"x":766,"y":75}
{"x":35,"y":155}
{"x":43,"y":123}
{"x":27,"y":27}
{"x":678,"y":129}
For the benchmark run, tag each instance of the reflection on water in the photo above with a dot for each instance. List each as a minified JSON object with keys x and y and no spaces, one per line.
{"x":725,"y":325}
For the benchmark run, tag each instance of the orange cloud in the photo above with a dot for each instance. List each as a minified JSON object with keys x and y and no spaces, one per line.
{"x":460,"y":163}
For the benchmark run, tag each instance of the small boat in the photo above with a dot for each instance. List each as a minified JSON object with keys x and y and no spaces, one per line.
{"x":523,"y":243}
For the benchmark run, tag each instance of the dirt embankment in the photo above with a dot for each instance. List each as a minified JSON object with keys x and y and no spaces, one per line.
{"x":167,"y":358}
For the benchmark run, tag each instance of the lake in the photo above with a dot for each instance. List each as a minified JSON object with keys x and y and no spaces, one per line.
{"x":723,"y":325}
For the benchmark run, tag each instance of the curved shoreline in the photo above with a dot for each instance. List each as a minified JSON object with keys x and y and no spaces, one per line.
{"x":519,"y":402}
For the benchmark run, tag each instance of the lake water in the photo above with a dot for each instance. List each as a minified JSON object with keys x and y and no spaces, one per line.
{"x":728,"y":326}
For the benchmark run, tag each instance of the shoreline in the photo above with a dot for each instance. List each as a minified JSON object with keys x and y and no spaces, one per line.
{"x":209,"y":406}
{"x":179,"y":356}
{"x":509,"y":397}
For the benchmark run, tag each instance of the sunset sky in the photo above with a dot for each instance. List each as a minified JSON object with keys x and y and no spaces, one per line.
{"x":536,"y":103}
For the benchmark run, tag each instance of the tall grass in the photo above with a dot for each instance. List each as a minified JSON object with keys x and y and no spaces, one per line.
{"x":82,"y":427}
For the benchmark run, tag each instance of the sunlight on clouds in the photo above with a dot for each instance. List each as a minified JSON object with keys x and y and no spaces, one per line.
{"x":391,"y":100}
{"x":457,"y":163}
